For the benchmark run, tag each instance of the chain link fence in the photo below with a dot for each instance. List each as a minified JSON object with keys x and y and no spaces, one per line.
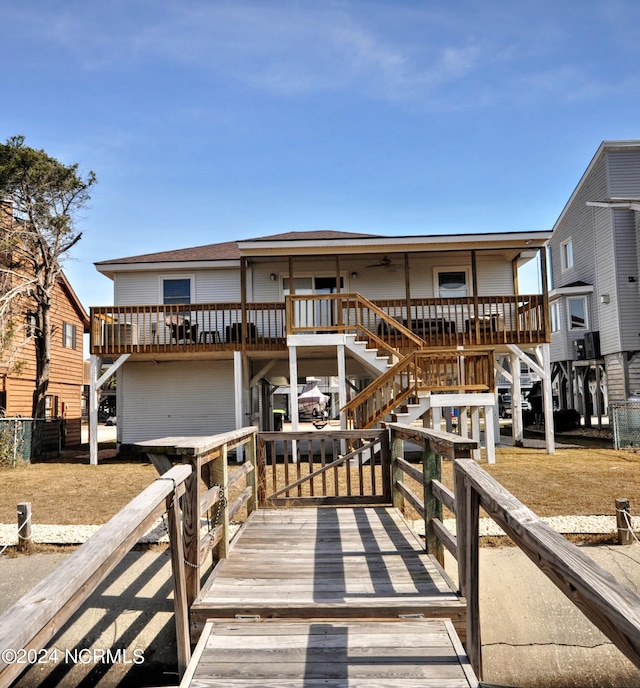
{"x":18,"y":439}
{"x":625,"y":418}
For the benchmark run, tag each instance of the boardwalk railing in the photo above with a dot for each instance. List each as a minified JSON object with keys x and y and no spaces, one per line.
{"x":34,"y":620}
{"x":608,"y":604}
{"x":434,"y":446}
{"x":208,"y":491}
{"x":323,"y":468}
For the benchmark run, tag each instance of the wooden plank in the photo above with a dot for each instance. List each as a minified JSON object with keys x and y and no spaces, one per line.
{"x":444,"y":494}
{"x":37,"y":617}
{"x":415,"y":502}
{"x":445,"y":537}
{"x":419,"y":652}
{"x":612,"y":607}
{"x":413,"y":472}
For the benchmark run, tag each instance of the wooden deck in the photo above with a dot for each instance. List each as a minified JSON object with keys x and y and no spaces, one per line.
{"x":417,"y":653}
{"x":325,"y":574}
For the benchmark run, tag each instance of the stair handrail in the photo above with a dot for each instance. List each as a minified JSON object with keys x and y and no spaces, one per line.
{"x":352,"y":302}
{"x":414,"y":365}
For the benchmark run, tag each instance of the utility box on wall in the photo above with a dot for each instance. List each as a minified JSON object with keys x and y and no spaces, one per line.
{"x":579,"y":353}
{"x":592,"y":345}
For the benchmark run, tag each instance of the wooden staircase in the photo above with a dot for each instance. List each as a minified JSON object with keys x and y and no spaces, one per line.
{"x":406,"y":381}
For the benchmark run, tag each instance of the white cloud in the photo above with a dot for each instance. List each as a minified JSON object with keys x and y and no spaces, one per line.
{"x":427,"y":55}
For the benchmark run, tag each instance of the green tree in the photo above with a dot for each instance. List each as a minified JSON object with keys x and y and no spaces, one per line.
{"x":40,"y":200}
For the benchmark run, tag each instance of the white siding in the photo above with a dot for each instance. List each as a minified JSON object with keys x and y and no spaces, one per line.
{"x":624,"y":173}
{"x":210,"y":286}
{"x":577,"y":225}
{"x":605,"y":256}
{"x":626,"y":269}
{"x":174,"y":398}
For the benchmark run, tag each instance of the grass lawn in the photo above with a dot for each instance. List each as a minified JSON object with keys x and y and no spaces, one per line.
{"x":571,"y":481}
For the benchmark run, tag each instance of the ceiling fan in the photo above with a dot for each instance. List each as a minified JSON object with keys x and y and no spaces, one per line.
{"x":385,"y":263}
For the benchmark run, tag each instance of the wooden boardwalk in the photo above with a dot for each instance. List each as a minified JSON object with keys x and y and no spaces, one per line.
{"x":327,"y":589}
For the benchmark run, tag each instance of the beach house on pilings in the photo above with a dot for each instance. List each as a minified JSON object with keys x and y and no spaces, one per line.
{"x":408,"y":327}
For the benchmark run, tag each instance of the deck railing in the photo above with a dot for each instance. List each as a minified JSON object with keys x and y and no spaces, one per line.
{"x":481,"y":321}
{"x":419,"y":371}
{"x":462,"y":321}
{"x":187,"y":328}
{"x":613,"y":608}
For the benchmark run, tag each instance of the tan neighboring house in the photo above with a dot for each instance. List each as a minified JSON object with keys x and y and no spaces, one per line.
{"x":64,"y":395}
{"x":407,"y":327}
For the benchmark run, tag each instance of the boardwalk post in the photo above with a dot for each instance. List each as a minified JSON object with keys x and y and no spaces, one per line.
{"x":471,"y":554}
{"x":252,"y":478}
{"x":432,"y":470}
{"x":261,"y":469}
{"x":24,"y":526}
{"x":625,"y":536}
{"x":191,"y":526}
{"x":397,"y":476}
{"x":220,"y":476}
{"x":181,"y":609}
{"x":460,"y":488}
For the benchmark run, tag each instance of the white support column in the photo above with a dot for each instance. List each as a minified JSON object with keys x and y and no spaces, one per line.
{"x":342,"y":385}
{"x":516,"y":406}
{"x":238,"y":389}
{"x":475,"y":431}
{"x":495,"y":416}
{"x":463,"y":422}
{"x":547,"y":399}
{"x":293,"y":388}
{"x":490,"y":413}
{"x":95,"y":363}
{"x":436,"y":418}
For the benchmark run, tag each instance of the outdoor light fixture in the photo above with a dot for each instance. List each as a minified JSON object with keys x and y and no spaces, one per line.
{"x":604,"y":298}
{"x":354,"y":275}
{"x":272,"y":276}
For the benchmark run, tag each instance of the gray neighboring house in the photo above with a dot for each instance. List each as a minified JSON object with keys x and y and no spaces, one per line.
{"x":595,"y":289}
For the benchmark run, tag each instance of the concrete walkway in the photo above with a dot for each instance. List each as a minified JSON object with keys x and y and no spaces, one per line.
{"x":532,"y":635}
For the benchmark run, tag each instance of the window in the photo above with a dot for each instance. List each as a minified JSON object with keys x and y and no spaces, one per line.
{"x":577,"y":310}
{"x":566,"y":252}
{"x":51,"y":406}
{"x":451,"y":282}
{"x":69,"y":336}
{"x":176,"y":290}
{"x":556,"y":324}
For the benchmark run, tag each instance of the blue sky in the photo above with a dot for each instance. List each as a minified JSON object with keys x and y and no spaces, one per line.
{"x":210,"y":120}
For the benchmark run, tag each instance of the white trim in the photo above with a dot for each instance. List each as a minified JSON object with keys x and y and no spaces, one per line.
{"x":570,"y":291}
{"x":109,"y":269}
{"x":177,"y":276}
{"x":439,"y":269}
{"x":566,"y":255}
{"x":586,"y":313}
{"x":395,"y":244}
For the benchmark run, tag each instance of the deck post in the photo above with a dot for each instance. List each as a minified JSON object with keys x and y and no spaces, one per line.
{"x":516,"y":406}
{"x":432,"y":470}
{"x":95,"y":363}
{"x":475,"y":431}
